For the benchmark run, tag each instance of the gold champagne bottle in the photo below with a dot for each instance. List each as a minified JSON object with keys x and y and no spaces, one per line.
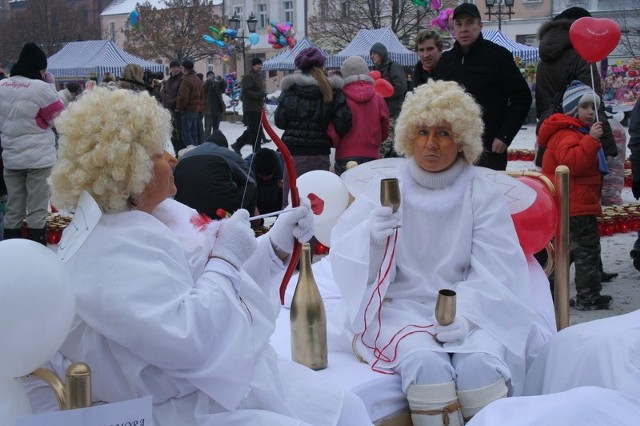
{"x":308,"y":318}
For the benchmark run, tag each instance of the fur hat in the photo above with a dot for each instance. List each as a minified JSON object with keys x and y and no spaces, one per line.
{"x":378,"y":48}
{"x":256,"y":61}
{"x":577,"y":94}
{"x":309,"y":58}
{"x":174,"y":63}
{"x":573,"y":13}
{"x":33,"y":57}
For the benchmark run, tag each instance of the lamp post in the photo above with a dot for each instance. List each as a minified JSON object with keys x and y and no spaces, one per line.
{"x":234,"y":24}
{"x":499,"y":13}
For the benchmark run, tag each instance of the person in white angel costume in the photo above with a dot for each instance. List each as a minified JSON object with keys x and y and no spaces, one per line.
{"x":170,"y":304}
{"x":453,"y":230}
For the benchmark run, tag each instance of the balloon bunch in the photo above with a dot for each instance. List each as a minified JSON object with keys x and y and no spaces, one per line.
{"x":232,"y":81}
{"x":134,"y":19}
{"x":435,"y":4}
{"x":380,"y":85}
{"x":281,"y":35}
{"x":220,"y":37}
{"x":444,"y":20}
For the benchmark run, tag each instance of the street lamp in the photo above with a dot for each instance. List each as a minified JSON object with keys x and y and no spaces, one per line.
{"x":499,"y":13}
{"x":234,"y":24}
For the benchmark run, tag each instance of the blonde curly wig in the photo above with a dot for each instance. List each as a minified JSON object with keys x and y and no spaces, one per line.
{"x":107,"y":139}
{"x":438,"y":102}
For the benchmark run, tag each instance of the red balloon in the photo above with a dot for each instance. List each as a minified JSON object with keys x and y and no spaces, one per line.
{"x":594,"y":38}
{"x":383,"y":88}
{"x":536,"y":225}
{"x":375,"y":74}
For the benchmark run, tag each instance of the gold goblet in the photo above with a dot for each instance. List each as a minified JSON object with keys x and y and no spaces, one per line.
{"x":445,"y":308}
{"x":390,"y":193}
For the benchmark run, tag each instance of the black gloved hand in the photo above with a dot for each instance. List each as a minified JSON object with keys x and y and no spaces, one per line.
{"x":635,"y":188}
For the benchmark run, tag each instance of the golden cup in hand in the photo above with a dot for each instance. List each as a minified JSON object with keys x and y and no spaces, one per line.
{"x":446,"y":307}
{"x":390,"y":193}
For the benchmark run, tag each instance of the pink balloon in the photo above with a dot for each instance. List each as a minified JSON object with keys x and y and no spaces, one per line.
{"x":383,"y":88}
{"x":594,"y":38}
{"x":375,"y":74}
{"x":536,"y":225}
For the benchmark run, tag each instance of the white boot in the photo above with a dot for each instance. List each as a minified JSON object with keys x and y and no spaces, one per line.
{"x":434,"y":405}
{"x":474,"y":400}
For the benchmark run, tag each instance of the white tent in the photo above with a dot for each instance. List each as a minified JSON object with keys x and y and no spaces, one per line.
{"x":94,"y":58}
{"x":285,"y":59}
{"x":362,"y":43}
{"x":524,"y":52}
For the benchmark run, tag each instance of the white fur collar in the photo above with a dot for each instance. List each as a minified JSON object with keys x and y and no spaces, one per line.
{"x":435,"y":192}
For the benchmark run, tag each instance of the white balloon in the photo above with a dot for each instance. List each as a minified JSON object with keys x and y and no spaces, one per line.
{"x":37,"y":305}
{"x":329,"y":187}
{"x":323,"y":232}
{"x":14,"y":402}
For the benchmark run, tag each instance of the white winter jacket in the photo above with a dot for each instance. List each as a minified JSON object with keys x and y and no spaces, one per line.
{"x":27,"y":109}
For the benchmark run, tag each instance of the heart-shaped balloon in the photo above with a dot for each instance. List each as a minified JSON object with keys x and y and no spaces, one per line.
{"x":594,"y":38}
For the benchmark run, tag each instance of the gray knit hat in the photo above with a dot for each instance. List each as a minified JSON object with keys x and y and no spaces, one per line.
{"x":577,"y":94}
{"x":354,"y":66}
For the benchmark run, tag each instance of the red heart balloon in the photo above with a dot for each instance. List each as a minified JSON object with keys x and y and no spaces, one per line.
{"x":383,"y":88}
{"x":594,"y":38}
{"x":536,"y":225}
{"x":375,"y":74}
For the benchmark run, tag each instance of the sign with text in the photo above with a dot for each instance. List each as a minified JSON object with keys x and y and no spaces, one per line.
{"x":136,"y":412}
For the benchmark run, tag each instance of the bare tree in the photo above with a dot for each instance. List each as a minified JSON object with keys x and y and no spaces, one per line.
{"x":174,"y":31}
{"x":628,"y":18}
{"x":337,"y":22}
{"x":48,"y":23}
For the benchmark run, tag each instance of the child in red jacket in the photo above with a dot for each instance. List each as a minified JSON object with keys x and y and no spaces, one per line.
{"x":572,"y":139}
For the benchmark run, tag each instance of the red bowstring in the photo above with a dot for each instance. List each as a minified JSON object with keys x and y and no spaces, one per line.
{"x":295,"y":198}
{"x":380,"y":353}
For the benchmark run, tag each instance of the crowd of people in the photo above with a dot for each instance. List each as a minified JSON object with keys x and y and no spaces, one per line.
{"x":156,"y":178}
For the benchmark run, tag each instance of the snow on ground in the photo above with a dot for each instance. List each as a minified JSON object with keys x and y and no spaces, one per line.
{"x":625,"y":289}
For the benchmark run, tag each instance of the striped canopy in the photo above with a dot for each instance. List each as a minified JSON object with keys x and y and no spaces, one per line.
{"x":285,"y":59}
{"x":94,"y":58}
{"x":524,"y":52}
{"x":362,"y":43}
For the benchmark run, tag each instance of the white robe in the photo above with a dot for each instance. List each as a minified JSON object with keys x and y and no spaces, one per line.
{"x":588,"y":374}
{"x":154,"y":318}
{"x":461,"y":238}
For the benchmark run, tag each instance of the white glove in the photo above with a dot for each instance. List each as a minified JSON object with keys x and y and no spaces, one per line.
{"x":455,"y":332}
{"x":383,"y":222}
{"x":235,"y":240}
{"x":297,"y":224}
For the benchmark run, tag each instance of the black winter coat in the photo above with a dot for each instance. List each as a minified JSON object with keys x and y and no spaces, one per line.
{"x":558,"y":59}
{"x":252,"y":92}
{"x":488,"y":72}
{"x":420,"y":76}
{"x":394,"y":74}
{"x":305,"y":117}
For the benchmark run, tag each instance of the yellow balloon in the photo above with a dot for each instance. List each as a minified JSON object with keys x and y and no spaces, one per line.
{"x":225,"y":59}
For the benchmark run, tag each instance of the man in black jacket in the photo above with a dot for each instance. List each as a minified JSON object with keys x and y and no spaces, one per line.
{"x":488,"y":72}
{"x":169,"y":95}
{"x":253,"y":94}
